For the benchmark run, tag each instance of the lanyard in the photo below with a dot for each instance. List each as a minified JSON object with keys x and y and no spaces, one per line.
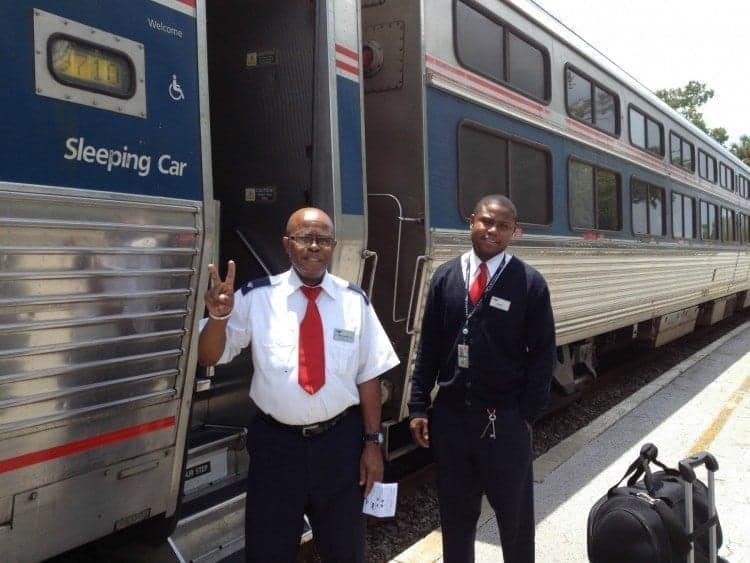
{"x":469,"y":313}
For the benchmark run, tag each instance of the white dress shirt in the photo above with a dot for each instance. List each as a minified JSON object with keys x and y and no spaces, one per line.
{"x":472,"y":261}
{"x":267,"y":318}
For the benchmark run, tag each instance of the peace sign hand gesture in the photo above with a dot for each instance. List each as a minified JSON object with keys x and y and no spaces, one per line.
{"x":219,"y":296}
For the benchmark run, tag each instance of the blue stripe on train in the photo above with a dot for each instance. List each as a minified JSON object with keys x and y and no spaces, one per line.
{"x":350,"y":146}
{"x":445,"y":112}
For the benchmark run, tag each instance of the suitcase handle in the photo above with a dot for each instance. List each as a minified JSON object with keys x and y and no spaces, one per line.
{"x":688,"y":464}
{"x":687,"y":472}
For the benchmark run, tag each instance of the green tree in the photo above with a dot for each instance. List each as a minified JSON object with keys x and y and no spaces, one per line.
{"x":742,"y":149}
{"x":688,"y":100}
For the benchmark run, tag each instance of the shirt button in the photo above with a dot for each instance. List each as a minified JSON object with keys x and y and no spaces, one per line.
{"x":467,"y":402}
{"x":468,"y":384}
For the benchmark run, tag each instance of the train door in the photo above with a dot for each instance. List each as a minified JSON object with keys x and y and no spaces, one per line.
{"x":286,"y":132}
{"x":101,"y":251}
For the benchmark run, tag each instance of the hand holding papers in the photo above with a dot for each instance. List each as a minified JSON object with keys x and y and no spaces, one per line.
{"x":381,"y":502}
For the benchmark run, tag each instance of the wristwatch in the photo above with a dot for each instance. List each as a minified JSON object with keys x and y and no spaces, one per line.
{"x":375,"y":437}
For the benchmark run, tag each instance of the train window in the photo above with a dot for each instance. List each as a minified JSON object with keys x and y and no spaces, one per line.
{"x":491,"y":163}
{"x":492,"y":48}
{"x":647,"y":208}
{"x":728,"y":233}
{"x":525,"y":66}
{"x":594,"y":196}
{"x":645,"y":132}
{"x":683,"y":216}
{"x":709,"y":221}
{"x":681,"y":152}
{"x":590,"y":102}
{"x":530,"y":186}
{"x":706,"y":166}
{"x":743,"y":186}
{"x":479,"y":42}
{"x":726,"y":176}
{"x":744,"y":223}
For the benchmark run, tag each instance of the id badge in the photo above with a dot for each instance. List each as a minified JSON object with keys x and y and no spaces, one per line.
{"x":463,"y":355}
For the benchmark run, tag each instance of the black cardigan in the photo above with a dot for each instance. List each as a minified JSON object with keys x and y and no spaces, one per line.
{"x":512,"y":353}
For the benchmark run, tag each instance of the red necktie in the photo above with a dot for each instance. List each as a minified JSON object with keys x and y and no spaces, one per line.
{"x":480,"y":282}
{"x":311,"y":375}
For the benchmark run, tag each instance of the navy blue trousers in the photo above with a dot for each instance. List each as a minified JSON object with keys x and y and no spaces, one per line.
{"x":290,"y":476}
{"x":469,"y":465}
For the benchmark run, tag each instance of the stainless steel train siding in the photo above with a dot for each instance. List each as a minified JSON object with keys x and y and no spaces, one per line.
{"x":101,"y":256}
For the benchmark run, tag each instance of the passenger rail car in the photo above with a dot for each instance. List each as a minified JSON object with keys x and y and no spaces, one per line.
{"x":144,"y":138}
{"x":638,"y":220}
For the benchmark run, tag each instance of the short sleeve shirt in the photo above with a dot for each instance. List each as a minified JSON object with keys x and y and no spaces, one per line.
{"x":268,"y":317}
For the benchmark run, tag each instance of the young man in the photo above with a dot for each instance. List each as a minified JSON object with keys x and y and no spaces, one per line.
{"x":317,"y":349}
{"x":488,"y":340}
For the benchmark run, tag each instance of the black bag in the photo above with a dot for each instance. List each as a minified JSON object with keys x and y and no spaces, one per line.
{"x":644,"y":522}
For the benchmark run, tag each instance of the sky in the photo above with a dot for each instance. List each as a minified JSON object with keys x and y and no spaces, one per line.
{"x":667,"y":43}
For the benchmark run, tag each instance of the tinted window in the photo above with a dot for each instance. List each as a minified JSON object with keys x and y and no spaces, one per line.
{"x":480,"y":45}
{"x":637,"y":129}
{"x":530,"y":186}
{"x":489,"y":163}
{"x":639,"y":207}
{"x":608,"y":199}
{"x":688,"y":216}
{"x":647,"y":208}
{"x":675,"y":149}
{"x":645,"y":132}
{"x":727,"y":225}
{"x":581,"y":190}
{"x":482,"y":167}
{"x":706,"y":166}
{"x":479,"y":42}
{"x":591,"y":102}
{"x":579,"y":96}
{"x":654,"y":136}
{"x":605,"y":109}
{"x":677,"y":223}
{"x":525,"y":66}
{"x":709,"y":226}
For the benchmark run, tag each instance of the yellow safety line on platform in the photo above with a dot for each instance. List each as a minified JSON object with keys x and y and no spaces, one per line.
{"x":709,"y":435}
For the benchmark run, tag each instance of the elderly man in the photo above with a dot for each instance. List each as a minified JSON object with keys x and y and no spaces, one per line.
{"x":488,"y":340}
{"x":318,"y":350}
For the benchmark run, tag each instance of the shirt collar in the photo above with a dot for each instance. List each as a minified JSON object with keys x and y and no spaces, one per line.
{"x":326,"y":283}
{"x":492,"y":264}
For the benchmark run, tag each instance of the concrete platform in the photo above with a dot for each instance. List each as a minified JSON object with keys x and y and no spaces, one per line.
{"x":701,"y":404}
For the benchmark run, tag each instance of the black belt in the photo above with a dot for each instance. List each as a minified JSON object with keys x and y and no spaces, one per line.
{"x":307,"y":430}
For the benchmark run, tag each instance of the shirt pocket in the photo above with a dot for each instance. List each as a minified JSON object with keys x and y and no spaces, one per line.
{"x":344,"y":358}
{"x":277,"y":353}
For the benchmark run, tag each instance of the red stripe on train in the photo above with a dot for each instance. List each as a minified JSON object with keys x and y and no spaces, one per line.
{"x":86,"y":444}
{"x":190,"y":3}
{"x":347,"y":67}
{"x":347,"y":51}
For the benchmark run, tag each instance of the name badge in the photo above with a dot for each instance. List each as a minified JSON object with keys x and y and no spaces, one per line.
{"x":500,"y":303}
{"x":343,"y":335}
{"x":462,"y":355}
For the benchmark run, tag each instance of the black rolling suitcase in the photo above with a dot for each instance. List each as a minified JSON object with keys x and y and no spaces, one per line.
{"x":669,"y":516}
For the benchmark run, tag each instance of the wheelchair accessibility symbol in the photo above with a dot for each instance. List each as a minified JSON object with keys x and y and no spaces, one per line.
{"x":175,"y":90}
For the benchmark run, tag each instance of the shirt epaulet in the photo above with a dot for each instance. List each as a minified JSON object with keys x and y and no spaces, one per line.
{"x":359,"y":290}
{"x":260,"y":282}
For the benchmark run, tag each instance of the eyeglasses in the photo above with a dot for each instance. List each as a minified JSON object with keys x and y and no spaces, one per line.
{"x":308,"y":240}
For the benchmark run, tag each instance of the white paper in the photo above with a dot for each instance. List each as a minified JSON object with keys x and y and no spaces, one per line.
{"x":381,"y":502}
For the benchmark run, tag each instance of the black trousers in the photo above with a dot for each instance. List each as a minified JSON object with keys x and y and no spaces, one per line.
{"x":469,"y":465}
{"x":290,"y":476}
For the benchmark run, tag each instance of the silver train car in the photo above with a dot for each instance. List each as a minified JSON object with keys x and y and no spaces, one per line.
{"x":152,"y":137}
{"x":637,"y":219}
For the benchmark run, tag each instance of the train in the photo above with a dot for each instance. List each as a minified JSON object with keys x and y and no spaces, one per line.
{"x":144,"y":139}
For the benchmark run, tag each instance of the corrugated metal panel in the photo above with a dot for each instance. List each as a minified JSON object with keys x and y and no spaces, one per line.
{"x":94,"y":298}
{"x":598,"y":287}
